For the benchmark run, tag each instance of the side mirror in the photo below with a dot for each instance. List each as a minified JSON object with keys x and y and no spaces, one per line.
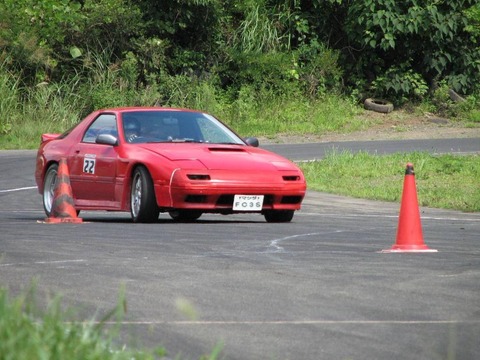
{"x":252,"y":141}
{"x":106,"y":139}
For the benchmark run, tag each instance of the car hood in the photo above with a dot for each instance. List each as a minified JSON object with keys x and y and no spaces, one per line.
{"x":222,"y":157}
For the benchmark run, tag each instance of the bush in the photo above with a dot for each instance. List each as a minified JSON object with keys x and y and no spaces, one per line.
{"x":400,"y":84}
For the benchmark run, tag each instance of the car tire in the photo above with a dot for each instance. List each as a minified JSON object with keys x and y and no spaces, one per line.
{"x":143,"y":204}
{"x":279,"y":216}
{"x":378,"y":105}
{"x":185,"y":215}
{"x":49,"y":181}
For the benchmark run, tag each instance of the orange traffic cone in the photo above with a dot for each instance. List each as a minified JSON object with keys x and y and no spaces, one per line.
{"x":63,"y":210}
{"x":409,"y":233}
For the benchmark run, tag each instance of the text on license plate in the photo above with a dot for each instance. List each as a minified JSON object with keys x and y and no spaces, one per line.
{"x":248,"y":202}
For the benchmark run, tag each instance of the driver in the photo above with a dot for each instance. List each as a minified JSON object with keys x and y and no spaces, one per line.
{"x":131,"y":128}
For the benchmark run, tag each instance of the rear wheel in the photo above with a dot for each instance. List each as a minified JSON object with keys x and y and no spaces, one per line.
{"x":279,"y":216}
{"x":49,"y":182}
{"x":143,"y":205}
{"x":185,"y":215}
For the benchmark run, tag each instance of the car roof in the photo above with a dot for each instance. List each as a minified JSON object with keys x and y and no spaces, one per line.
{"x":147,"y":108}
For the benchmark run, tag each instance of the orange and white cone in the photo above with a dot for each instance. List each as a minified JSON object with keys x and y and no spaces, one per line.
{"x":63,"y":210}
{"x":409,"y":233}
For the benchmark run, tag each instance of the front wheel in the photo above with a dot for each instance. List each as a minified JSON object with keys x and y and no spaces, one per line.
{"x":143,"y":205}
{"x":49,"y":182}
{"x":279,"y":216}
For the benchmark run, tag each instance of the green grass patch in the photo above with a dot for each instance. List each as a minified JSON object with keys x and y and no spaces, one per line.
{"x":443,"y":181}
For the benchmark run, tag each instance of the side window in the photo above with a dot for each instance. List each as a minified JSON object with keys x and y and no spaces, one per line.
{"x":104,"y":124}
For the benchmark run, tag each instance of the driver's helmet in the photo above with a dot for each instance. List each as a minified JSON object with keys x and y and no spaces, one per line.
{"x":131,"y":127}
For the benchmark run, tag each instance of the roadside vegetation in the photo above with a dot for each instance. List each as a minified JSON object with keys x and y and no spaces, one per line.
{"x":443,"y":181}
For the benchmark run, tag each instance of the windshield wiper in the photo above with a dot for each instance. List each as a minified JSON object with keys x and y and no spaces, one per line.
{"x":170,"y":140}
{"x":185,"y":140}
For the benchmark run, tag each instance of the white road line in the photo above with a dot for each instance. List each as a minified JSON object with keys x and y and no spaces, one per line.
{"x":294,"y":322}
{"x":45,"y":262}
{"x":385,"y":216}
{"x":18,"y":189}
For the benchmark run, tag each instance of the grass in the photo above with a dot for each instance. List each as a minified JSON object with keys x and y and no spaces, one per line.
{"x":26,"y":332}
{"x":443,"y":181}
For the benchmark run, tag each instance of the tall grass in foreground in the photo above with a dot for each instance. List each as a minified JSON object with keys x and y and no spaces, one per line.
{"x":28,"y":333}
{"x":25,"y":333}
{"x":443,"y":181}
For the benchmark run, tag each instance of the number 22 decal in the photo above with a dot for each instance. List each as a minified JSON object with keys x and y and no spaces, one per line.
{"x":89,"y":166}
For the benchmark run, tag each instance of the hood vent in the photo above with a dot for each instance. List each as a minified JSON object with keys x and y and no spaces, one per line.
{"x":226,"y":149}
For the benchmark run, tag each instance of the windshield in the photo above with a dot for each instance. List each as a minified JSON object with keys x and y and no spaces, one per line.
{"x":175,"y":126}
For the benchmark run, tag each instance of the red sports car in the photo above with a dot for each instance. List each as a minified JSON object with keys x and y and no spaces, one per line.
{"x":148,"y":160}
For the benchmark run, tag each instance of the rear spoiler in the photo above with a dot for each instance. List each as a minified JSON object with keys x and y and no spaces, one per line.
{"x":48,"y":137}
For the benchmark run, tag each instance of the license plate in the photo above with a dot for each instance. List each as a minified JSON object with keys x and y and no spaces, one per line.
{"x":248,"y":202}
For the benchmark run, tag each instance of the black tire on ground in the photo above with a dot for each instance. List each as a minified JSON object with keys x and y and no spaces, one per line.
{"x":49,"y":181}
{"x":185,"y":215}
{"x":279,"y":216}
{"x":143,"y":204}
{"x":378,"y":105}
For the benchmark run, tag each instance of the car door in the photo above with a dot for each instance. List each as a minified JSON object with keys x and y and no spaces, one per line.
{"x":94,"y":166}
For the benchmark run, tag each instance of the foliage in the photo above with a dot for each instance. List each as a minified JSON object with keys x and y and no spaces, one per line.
{"x":263,"y":70}
{"x":45,"y":40}
{"x":400,"y":81}
{"x":393,"y":31}
{"x":261,"y":30}
{"x":473,"y":16}
{"x":9,"y":102}
{"x":317,"y":66}
{"x":442,"y":104}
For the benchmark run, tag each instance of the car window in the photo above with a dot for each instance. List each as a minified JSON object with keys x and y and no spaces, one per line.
{"x":212,"y":132}
{"x":104,"y":124}
{"x":175,"y":126}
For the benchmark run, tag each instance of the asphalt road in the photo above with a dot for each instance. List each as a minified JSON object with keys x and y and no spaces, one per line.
{"x":311,"y":151}
{"x":317,"y":288}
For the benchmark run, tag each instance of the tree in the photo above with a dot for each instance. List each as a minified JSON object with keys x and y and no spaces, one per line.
{"x":413,"y":43}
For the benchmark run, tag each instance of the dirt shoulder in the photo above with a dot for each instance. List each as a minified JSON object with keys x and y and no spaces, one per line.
{"x":394,"y":126}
